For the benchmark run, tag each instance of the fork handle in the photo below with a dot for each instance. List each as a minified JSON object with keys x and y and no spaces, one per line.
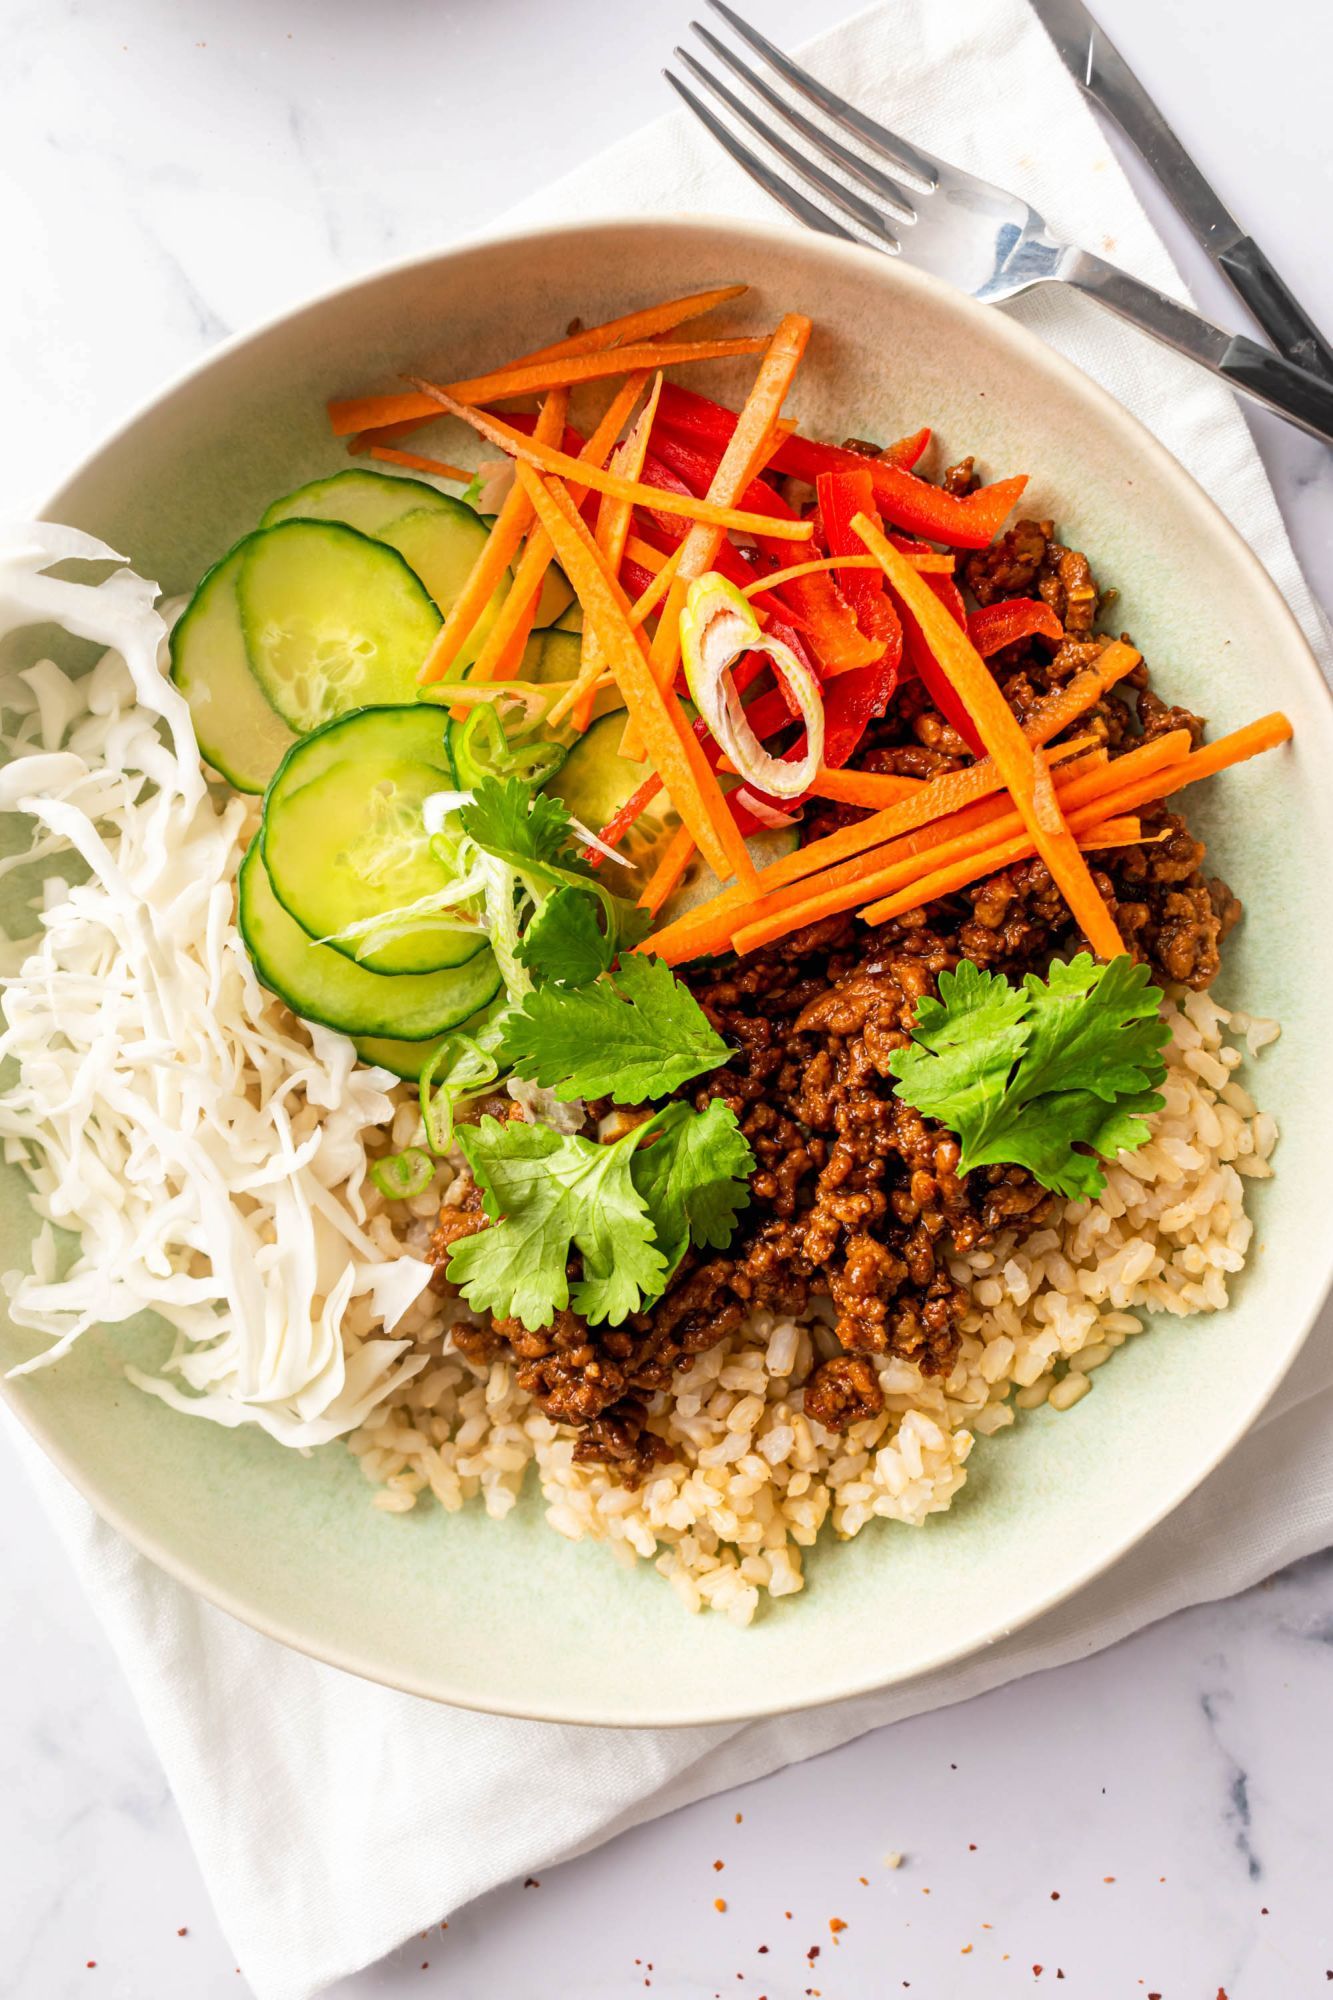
{"x":1294,"y":393}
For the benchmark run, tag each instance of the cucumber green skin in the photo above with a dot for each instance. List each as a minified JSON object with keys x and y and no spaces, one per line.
{"x":238,"y":731}
{"x":551,"y":655}
{"x":359,"y":499}
{"x":321,"y":985}
{"x":409,"y":1059}
{"x":408,"y":515}
{"x":329,"y":576}
{"x":310,"y":778}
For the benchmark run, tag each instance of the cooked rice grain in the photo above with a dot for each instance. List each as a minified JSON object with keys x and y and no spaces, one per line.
{"x":753,"y":1480}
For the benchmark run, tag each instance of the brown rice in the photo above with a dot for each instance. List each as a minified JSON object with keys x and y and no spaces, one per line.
{"x":753,"y":1480}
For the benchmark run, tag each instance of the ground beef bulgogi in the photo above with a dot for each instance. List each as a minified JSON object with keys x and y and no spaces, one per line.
{"x":855,"y":1195}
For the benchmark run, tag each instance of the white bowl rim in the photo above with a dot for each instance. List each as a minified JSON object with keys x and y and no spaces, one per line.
{"x":1028,"y":350}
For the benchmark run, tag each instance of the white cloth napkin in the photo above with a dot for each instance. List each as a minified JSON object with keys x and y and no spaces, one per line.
{"x":331,"y":1818}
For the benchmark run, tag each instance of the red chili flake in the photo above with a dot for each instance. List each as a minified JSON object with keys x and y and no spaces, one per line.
{"x":739,"y":1818}
{"x":719,"y":1902}
{"x":425,"y":1965}
{"x":719,"y":1866}
{"x":1263,"y":1913}
{"x":1037,"y":1971}
{"x":836,"y":1924}
{"x":532,"y":1883}
{"x":971,"y":1847}
{"x":183,"y":1931}
{"x":763,"y":1947}
{"x":787,"y":1915}
{"x":1221,"y":1993}
{"x":964,"y":1949}
{"x":813,"y":1953}
{"x":445,"y":1925}
{"x":1058,"y":1973}
{"x":1108,"y":1878}
{"x":1055,"y":1895}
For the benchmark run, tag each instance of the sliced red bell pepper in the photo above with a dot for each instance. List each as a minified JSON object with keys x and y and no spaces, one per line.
{"x":922,"y":662}
{"x":842,"y":496}
{"x":996,"y":626}
{"x":905,"y":451}
{"x":969,"y":521}
{"x":826,"y":618}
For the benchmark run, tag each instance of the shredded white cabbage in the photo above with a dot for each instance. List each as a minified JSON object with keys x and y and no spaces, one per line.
{"x":208,"y":1150}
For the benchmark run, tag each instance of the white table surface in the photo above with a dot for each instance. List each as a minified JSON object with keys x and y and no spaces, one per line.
{"x":1151,"y":1821}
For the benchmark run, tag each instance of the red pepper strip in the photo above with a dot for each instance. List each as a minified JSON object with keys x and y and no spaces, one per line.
{"x":842,"y":496}
{"x":905,"y":453}
{"x":665,"y":531}
{"x":922,"y":662}
{"x":996,"y":626}
{"x":967,"y":522}
{"x":835,"y":639}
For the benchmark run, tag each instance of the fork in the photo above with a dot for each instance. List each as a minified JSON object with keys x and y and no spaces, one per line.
{"x":952,"y":224}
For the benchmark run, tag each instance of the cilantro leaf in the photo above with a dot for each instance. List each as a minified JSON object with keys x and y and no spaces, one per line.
{"x":519,"y":826}
{"x":564,"y":941}
{"x":636,"y":1034}
{"x":1052,"y":1076}
{"x":547,"y":1196}
{"x":692,"y":1175}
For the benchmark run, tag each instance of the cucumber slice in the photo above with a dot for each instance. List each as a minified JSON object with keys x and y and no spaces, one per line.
{"x":321,"y":985}
{"x":239,"y":734}
{"x":360,"y":499}
{"x":409,"y":1059}
{"x":557,"y":596}
{"x":332,"y":620}
{"x":595,"y":780}
{"x":442,"y":543}
{"x":344,"y":839}
{"x":551,"y":656}
{"x":571,"y":620}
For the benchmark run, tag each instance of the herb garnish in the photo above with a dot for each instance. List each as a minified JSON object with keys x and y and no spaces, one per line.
{"x":628,"y":1210}
{"x":1051,"y":1075}
{"x":637,"y":1034}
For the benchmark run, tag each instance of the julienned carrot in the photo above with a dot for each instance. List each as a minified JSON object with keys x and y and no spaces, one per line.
{"x":744,"y":457}
{"x":872,"y":789}
{"x":976,"y":829}
{"x":641,"y":609}
{"x":419,"y":464}
{"x":612,"y":533}
{"x":1089,"y":828}
{"x":543,"y":459}
{"x":708,"y":928}
{"x":672,"y":746}
{"x":644,"y":324}
{"x":360,"y":413}
{"x":1024,"y":776}
{"x":487,"y":573}
{"x":503,"y":648}
{"x":666,"y":876}
{"x":930,"y":562}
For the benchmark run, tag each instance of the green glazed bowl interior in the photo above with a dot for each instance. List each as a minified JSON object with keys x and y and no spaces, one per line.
{"x":507,"y":1615}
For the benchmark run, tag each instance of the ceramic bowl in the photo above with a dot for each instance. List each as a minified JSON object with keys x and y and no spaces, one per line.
{"x":507,"y":1615}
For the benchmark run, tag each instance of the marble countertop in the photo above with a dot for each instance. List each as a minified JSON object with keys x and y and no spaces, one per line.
{"x":1150,"y":1821}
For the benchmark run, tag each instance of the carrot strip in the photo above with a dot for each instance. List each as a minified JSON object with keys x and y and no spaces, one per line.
{"x":612,"y":533}
{"x":1121,"y":793}
{"x":667,"y":874}
{"x":672,"y":746}
{"x":644,"y":324}
{"x":359,"y":413}
{"x":1024,"y":776}
{"x":901,"y":862}
{"x":487,"y":573}
{"x":542,"y":458}
{"x":640,"y":610}
{"x":707,"y":928}
{"x":499,"y":656}
{"x":930,"y":562}
{"x":419,"y":464}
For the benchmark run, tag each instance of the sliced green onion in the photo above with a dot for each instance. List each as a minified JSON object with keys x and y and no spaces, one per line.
{"x":717,"y":626}
{"x":403,"y":1175}
{"x":461,"y":1067}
